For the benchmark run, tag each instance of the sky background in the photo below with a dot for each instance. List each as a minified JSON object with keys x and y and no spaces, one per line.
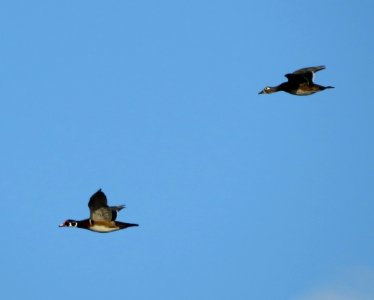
{"x":238,"y":195}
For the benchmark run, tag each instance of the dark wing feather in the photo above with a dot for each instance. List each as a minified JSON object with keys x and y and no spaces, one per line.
{"x":304,"y":75}
{"x":300,"y":78}
{"x":99,"y":209}
{"x":97,"y":200}
{"x":309,"y":69}
{"x":114,"y":210}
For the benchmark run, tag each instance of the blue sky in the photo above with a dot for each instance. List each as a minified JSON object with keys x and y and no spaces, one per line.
{"x":238,"y":195}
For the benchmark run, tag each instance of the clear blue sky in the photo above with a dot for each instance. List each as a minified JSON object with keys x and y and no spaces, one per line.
{"x":238,"y":195}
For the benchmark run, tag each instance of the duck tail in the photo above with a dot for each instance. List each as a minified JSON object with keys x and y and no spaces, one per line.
{"x":124,"y":225}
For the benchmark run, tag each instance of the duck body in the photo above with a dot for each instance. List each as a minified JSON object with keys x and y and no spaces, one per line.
{"x":300,"y":83}
{"x":98,"y":226}
{"x":102,"y":217}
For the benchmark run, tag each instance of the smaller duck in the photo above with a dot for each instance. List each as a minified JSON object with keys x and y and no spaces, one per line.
{"x":102,"y":217}
{"x":299,"y":83}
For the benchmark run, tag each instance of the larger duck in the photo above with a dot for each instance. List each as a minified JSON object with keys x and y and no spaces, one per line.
{"x":299,"y":83}
{"x":102,"y":217}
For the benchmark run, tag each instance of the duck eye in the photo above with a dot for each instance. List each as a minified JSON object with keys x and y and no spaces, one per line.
{"x":267,"y":88}
{"x":73,"y":224}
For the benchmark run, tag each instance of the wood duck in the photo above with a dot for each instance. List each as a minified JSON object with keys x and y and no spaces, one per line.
{"x":102,"y":217}
{"x":299,"y":83}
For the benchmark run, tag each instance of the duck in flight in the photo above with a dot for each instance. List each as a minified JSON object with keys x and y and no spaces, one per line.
{"x":299,"y":83}
{"x":102,"y":217}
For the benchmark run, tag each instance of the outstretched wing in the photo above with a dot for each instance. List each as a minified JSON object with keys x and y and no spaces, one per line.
{"x":309,"y":69}
{"x":304,"y":75}
{"x":99,"y":209}
{"x":98,"y":200}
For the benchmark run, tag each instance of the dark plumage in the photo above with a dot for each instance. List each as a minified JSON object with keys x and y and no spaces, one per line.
{"x":102,"y":217}
{"x":299,"y":83}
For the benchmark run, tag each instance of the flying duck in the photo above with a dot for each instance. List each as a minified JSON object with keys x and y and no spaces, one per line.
{"x":102,"y":217}
{"x":299,"y":83}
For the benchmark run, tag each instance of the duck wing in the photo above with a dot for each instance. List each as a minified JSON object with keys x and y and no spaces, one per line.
{"x":309,"y":69}
{"x":304,"y":75}
{"x":99,"y":209}
{"x":298,"y":79}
